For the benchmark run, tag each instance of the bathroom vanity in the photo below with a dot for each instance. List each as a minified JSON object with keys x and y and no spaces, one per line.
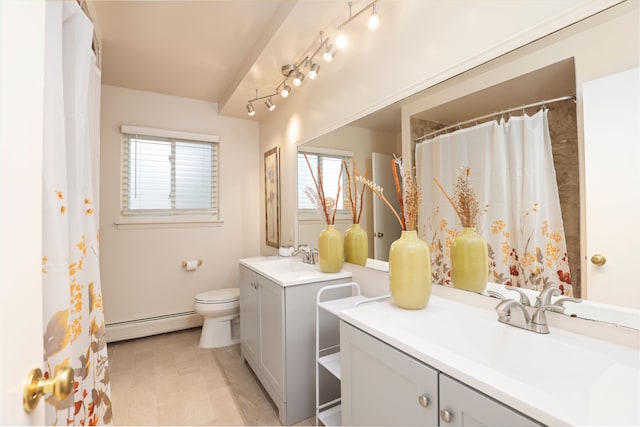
{"x":278,"y":326}
{"x":453,"y":363}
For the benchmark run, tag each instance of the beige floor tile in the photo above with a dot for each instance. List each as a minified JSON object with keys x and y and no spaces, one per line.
{"x":168,"y":380}
{"x":145,"y":416}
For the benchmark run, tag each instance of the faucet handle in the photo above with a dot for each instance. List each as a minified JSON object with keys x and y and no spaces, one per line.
{"x":524,"y":299}
{"x":560,"y":301}
{"x":495,"y":294}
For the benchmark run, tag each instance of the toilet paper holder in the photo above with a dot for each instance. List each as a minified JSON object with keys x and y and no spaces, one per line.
{"x":184,"y":263}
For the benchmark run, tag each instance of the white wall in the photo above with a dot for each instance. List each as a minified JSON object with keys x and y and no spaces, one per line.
{"x":140,"y":268}
{"x":418,"y":44}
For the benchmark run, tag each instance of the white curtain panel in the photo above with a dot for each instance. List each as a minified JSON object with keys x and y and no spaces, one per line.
{"x":74,"y":330}
{"x":514,"y":178}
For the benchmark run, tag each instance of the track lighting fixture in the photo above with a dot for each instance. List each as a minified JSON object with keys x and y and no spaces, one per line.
{"x":313,"y":71}
{"x":270,"y":105}
{"x":297,"y":80}
{"x":294,"y":71}
{"x":286,"y":89}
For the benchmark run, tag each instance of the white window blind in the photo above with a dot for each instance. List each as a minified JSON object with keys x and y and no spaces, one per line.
{"x":330,"y":164}
{"x":168,"y":175}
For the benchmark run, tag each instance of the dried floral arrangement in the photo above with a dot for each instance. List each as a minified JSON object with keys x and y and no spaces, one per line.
{"x":324,"y":205}
{"x":355,"y":196}
{"x":464,"y":202}
{"x":409,"y":195}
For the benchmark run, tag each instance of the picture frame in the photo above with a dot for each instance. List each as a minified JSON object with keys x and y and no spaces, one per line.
{"x":272,"y":197}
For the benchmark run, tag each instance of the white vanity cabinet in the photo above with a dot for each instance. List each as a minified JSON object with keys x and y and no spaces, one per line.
{"x":277,"y":339}
{"x":384,"y":386}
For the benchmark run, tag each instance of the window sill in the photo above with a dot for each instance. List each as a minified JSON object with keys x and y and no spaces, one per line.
{"x":136,"y":223}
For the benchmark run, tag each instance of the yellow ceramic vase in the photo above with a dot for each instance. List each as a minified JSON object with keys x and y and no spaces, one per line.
{"x":469,"y":261}
{"x":410,"y":271}
{"x":331,"y":249}
{"x":356,"y":245}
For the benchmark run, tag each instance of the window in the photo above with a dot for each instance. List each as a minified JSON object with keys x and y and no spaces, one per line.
{"x":330,"y":162}
{"x":168,"y":173}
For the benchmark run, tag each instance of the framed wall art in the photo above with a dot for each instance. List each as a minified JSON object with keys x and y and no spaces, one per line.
{"x":272,"y":196}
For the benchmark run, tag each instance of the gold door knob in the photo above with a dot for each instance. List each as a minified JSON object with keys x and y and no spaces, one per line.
{"x":598,"y":259}
{"x":60,"y":385}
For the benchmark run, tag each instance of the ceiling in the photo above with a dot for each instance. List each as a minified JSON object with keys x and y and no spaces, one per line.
{"x":211,"y":50}
{"x":222,"y":51}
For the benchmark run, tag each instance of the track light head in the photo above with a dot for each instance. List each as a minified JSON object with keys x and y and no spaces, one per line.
{"x":313,"y":72}
{"x":330,"y":53}
{"x":374,"y":19}
{"x":250,"y":110}
{"x":286,"y":90}
{"x":297,"y":80}
{"x":270,"y":105}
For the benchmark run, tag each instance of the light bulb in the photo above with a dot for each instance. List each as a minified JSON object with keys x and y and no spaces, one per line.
{"x":374,"y":19}
{"x":313,"y":72}
{"x":297,"y":80}
{"x":250,"y":110}
{"x":328,"y":55}
{"x":286,"y":89}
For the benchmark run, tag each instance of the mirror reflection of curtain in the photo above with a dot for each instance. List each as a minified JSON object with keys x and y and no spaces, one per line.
{"x":74,"y":329}
{"x":513,"y":175}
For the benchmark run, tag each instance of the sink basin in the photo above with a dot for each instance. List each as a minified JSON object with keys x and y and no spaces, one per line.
{"x":288,"y":271}
{"x":284,"y":265}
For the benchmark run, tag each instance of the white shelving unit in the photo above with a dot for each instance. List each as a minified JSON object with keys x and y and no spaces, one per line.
{"x":328,"y":356}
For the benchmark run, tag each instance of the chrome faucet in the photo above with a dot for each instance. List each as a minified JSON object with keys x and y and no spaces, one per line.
{"x":536,"y":323}
{"x":308,"y":254}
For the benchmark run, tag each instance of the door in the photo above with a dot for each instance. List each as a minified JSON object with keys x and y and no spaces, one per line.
{"x":382,"y":386}
{"x":611,"y":108}
{"x":21,"y":105}
{"x":271,"y":336}
{"x":386,"y":228}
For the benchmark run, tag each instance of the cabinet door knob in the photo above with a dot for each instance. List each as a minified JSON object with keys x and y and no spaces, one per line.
{"x":423,"y":401}
{"x":445,"y":415}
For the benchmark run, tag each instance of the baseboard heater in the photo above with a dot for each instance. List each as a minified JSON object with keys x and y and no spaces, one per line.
{"x":139,"y":328}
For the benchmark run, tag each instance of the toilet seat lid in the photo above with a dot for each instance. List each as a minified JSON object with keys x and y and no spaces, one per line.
{"x":219,"y":296}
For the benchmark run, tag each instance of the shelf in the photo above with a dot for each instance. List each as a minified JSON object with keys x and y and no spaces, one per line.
{"x":332,"y":363}
{"x":331,"y":417}
{"x":335,"y":306}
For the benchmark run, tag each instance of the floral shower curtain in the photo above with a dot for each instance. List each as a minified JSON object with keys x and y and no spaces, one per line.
{"x":74,"y":330}
{"x":514,"y":177}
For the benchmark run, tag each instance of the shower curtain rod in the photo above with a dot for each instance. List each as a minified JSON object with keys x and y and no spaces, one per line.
{"x":498,"y":113}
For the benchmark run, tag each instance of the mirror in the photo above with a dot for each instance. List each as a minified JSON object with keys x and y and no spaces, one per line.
{"x":523,"y":76}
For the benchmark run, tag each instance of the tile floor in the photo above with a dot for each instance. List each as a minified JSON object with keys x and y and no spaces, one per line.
{"x":168,"y":380}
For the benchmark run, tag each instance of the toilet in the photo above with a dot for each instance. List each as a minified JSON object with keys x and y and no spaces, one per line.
{"x":221,"y":311}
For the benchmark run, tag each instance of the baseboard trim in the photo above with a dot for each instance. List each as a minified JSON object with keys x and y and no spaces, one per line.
{"x":152,"y":326}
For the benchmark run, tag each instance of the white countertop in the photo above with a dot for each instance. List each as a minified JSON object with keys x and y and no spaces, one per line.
{"x":561,"y":378}
{"x":290,"y":271}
